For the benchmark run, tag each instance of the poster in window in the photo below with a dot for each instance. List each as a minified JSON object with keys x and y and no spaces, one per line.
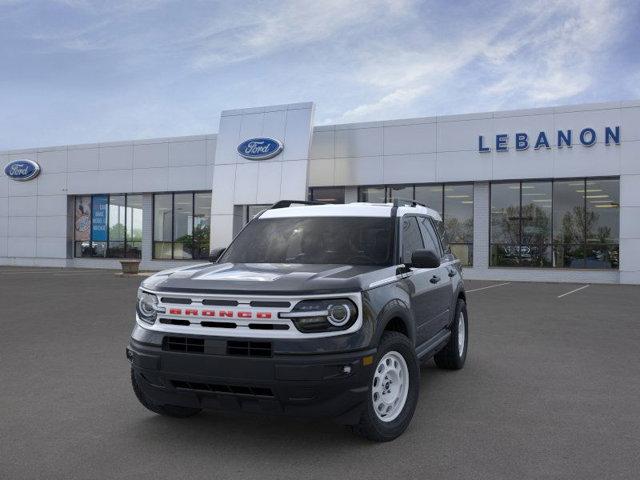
{"x":99,"y":220}
{"x":83,"y":219}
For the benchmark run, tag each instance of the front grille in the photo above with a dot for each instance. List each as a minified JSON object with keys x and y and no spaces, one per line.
{"x":183,"y":344}
{"x":177,"y":301}
{"x":229,"y":389}
{"x":175,"y":321}
{"x":249,"y":349}
{"x":221,"y":303}
{"x":272,"y":304}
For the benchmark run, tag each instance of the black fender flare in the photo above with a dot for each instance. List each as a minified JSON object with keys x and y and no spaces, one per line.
{"x":395,"y":309}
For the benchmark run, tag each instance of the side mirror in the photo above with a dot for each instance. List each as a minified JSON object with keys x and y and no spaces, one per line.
{"x":425,"y":259}
{"x":215,"y":254}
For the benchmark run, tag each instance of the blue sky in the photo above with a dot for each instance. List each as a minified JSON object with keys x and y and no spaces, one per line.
{"x":76,"y":71}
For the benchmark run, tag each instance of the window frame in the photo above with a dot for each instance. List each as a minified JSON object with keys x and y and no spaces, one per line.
{"x":173,"y":210}
{"x":553,"y":245}
{"x":125,"y":240}
{"x":312,"y":190}
{"x":402,"y":235}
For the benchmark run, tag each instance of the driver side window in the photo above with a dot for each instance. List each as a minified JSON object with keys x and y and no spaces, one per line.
{"x":411,"y":238}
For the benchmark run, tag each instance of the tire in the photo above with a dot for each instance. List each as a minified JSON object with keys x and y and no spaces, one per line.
{"x":396,"y":348}
{"x":166,"y":410}
{"x":451,"y":357}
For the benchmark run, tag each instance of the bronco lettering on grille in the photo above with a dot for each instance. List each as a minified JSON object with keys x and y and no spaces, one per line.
{"x":219,"y":313}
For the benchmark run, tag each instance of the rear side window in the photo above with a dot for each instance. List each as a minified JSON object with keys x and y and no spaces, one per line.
{"x":411,"y":238}
{"x":442,"y":235}
{"x":430,"y":239}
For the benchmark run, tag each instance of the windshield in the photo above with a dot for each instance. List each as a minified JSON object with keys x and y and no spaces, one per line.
{"x":340,"y":240}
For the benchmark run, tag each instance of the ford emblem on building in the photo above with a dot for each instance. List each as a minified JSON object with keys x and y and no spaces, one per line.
{"x":22,"y":170}
{"x":260,"y":148}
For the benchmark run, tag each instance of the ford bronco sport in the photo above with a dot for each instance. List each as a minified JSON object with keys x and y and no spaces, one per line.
{"x":322,"y":310}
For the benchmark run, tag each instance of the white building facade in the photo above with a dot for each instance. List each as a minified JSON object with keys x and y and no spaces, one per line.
{"x":549,"y":194}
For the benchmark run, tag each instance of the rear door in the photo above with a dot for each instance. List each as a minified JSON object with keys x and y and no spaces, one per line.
{"x":441,"y":297}
{"x":418,"y":279}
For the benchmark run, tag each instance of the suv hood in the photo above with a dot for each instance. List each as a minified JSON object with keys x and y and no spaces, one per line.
{"x":267,"y":278}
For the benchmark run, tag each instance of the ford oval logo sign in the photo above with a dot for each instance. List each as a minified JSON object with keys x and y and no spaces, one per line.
{"x":260,"y":148}
{"x":22,"y":170}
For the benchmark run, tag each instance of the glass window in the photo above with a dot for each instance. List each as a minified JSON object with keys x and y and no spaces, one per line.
{"x":327,"y":194}
{"x":603,"y":223}
{"x":430,"y":195}
{"x":454,"y":202}
{"x":253,"y":210}
{"x":404,"y":192}
{"x":535,"y":243}
{"x":315,"y":240}
{"x":569,"y":223}
{"x":411,"y":238}
{"x":458,"y":220}
{"x":108,"y":226}
{"x":134,"y":226}
{"x":564,"y":223}
{"x":182,"y":225}
{"x":371,"y":194}
{"x":162,"y":225}
{"x":505,"y":223}
{"x":117,"y":220}
{"x":82,"y":226}
{"x":201,"y":224}
{"x":429,"y":236}
{"x":442,"y":234}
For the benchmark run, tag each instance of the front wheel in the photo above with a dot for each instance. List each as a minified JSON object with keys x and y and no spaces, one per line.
{"x":393,"y":391}
{"x":454,"y":354}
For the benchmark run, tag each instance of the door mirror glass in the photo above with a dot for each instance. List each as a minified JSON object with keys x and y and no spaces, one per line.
{"x":215,"y":254}
{"x":425,"y":259}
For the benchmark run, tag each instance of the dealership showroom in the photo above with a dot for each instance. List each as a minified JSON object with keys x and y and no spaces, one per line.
{"x":548,"y":194}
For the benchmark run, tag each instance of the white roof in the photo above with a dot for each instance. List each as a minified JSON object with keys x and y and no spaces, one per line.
{"x":357,"y":209}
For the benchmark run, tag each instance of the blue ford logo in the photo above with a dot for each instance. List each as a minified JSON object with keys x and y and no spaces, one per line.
{"x":260,"y":148}
{"x":22,"y":170}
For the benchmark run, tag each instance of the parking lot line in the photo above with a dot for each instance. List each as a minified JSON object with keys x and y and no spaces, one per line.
{"x":488,"y":286}
{"x":573,"y":291}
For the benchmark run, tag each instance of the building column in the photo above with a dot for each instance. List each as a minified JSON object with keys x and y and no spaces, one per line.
{"x":147,"y":227}
{"x":481,"y":216}
{"x":629,"y":229}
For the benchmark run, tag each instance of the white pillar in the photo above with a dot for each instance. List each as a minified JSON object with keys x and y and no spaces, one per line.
{"x":238,"y":181}
{"x":629,"y":229}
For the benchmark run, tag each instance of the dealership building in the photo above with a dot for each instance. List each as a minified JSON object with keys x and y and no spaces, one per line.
{"x":548,"y":194}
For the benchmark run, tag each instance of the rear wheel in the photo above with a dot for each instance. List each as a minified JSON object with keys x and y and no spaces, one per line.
{"x":393,"y":391}
{"x":454,"y":354}
{"x":166,"y":410}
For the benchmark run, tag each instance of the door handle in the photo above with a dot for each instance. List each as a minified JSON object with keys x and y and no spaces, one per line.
{"x":435,"y":279}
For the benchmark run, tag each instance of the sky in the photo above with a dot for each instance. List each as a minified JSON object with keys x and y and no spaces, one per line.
{"x":80,"y":71}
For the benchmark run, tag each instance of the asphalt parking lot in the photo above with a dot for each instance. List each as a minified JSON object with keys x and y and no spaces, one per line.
{"x":551,"y":390}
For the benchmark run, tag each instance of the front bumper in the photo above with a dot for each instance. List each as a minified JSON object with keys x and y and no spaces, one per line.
{"x":318,"y":385}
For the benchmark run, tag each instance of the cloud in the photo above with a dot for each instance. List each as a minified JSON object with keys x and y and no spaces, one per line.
{"x":541,"y":53}
{"x":552,"y":61}
{"x":124,"y":69}
{"x":289,"y":23}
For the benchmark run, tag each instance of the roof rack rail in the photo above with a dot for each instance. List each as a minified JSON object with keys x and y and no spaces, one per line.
{"x":401,"y":202}
{"x":288,"y":203}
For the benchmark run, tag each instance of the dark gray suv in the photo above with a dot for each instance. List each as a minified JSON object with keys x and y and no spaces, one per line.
{"x":321,"y":310}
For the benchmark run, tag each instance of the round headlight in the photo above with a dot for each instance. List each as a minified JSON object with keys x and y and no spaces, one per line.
{"x":147,"y":306}
{"x":338,"y":314}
